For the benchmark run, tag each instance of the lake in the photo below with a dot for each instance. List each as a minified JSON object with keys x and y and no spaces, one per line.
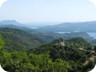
{"x":92,"y":34}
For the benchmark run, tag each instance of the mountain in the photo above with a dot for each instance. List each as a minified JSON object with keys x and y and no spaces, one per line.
{"x":93,"y":42}
{"x":16,"y":39}
{"x":74,"y":43}
{"x":84,"y":35}
{"x":32,"y":39}
{"x":22,"y":50}
{"x":6,"y":22}
{"x":71,"y":27}
{"x":37,"y":25}
{"x":48,"y":36}
{"x":19,"y":39}
{"x":56,"y":51}
{"x":14,"y":24}
{"x":51,"y":57}
{"x":54,"y":26}
{"x":25,"y":50}
{"x":32,"y":25}
{"x":78,"y":42}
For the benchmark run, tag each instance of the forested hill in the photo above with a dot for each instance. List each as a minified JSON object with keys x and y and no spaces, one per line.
{"x":22,"y":51}
{"x":16,"y":39}
{"x":51,"y":35}
{"x":28,"y":50}
{"x":78,"y":42}
{"x":75,"y":43}
{"x":59,"y":51}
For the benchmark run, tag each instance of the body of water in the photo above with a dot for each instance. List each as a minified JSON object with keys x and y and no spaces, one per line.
{"x":92,"y":34}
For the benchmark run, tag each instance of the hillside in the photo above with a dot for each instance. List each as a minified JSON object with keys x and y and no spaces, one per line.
{"x":36,"y":51}
{"x":71,"y":55}
{"x":16,"y":39}
{"x":51,"y":35}
{"x":78,"y":43}
{"x":75,"y":43}
{"x":77,"y":34}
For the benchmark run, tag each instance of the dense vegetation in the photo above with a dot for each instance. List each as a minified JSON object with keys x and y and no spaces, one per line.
{"x":18,"y":40}
{"x":56,"y":56}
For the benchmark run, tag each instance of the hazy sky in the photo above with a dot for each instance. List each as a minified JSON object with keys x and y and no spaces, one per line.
{"x":48,"y":10}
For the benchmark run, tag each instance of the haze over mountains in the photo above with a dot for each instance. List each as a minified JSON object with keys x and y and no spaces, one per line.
{"x":71,"y":27}
{"x":53,"y":29}
{"x":56,"y":26}
{"x":41,"y":26}
{"x":53,"y":26}
{"x":33,"y":25}
{"x":49,"y":33}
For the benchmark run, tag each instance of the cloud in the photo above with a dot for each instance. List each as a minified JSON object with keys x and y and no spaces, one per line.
{"x":2,"y":2}
{"x":93,"y":2}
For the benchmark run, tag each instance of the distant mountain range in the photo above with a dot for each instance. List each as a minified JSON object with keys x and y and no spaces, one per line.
{"x":55,"y":27}
{"x":71,"y":27}
{"x":50,"y":33}
{"x":9,"y":22}
{"x":33,"y":25}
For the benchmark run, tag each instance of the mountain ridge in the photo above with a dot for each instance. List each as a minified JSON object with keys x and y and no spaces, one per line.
{"x":71,"y":27}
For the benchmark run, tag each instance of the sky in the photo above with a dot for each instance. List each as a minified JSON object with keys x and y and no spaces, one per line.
{"x":48,"y":10}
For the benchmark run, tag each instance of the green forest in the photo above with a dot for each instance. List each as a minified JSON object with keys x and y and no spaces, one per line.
{"x":21,"y":51}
